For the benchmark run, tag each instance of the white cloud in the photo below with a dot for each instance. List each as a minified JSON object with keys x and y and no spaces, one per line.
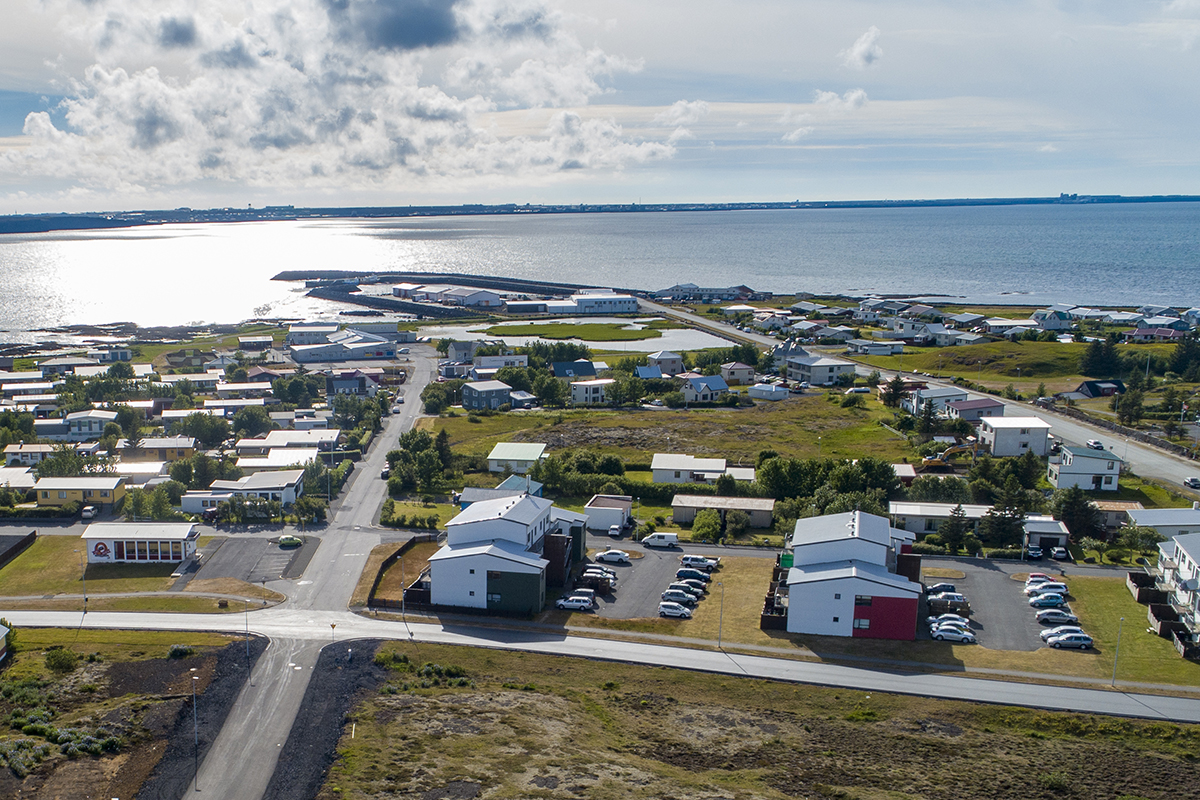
{"x":850,"y":100}
{"x":797,"y":134}
{"x":683,"y":112}
{"x":323,"y":94}
{"x":864,"y":52}
{"x":1047,"y":148}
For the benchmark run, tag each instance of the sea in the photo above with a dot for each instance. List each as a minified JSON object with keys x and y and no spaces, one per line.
{"x":1100,"y":255}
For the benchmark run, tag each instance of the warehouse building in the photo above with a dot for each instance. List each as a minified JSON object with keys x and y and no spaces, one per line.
{"x":138,"y":542}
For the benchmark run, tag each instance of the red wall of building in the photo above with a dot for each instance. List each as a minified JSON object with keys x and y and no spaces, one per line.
{"x":891,"y":618}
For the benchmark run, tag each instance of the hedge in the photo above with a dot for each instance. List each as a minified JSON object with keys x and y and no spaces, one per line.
{"x":1006,"y":553}
{"x":37,"y":513}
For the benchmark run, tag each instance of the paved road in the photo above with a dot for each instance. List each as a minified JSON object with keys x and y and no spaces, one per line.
{"x":259,"y":741}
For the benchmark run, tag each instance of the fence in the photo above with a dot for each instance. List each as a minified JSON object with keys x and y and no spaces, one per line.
{"x":17,"y":548}
{"x":1121,"y":430}
{"x":388,"y":562}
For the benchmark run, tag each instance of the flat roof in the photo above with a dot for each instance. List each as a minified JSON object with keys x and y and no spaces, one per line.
{"x":901,"y":509}
{"x":517,"y":451}
{"x":487,"y":386}
{"x":1154,"y":517}
{"x":94,"y":482}
{"x":723,"y":503}
{"x":1015,"y":422}
{"x":175,"y":531}
{"x":680,"y":461}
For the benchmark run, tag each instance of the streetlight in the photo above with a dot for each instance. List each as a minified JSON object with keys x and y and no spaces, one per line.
{"x":721,"y":618}
{"x":83,"y":571}
{"x":818,"y":447}
{"x":246,"y":603}
{"x":1117,"y":652}
{"x":195,"y":734}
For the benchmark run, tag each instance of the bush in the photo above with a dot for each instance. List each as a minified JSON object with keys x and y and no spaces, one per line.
{"x":921,"y":548}
{"x":1012,"y":554}
{"x":181,"y":651}
{"x":61,"y":660}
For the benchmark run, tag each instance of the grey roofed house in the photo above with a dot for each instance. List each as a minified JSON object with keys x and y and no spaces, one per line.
{"x":574,"y":369}
{"x":966,"y":318}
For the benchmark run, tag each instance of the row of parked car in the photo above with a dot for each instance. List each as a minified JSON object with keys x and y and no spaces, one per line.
{"x":584,"y":599}
{"x":1050,"y":597}
{"x":949,"y":626}
{"x":689,"y":587}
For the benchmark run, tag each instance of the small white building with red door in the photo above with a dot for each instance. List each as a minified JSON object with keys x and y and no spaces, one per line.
{"x":843,"y":580}
{"x":140,"y":542}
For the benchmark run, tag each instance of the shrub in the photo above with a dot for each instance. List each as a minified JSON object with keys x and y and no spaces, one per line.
{"x":1006,"y":553}
{"x":921,"y":548}
{"x":181,"y":651}
{"x":61,"y":660}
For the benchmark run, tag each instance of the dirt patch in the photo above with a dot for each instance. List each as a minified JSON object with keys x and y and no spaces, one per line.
{"x":455,"y":790}
{"x":235,"y":587}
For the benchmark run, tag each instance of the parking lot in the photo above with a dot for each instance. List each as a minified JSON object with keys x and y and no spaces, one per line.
{"x":257,"y":559}
{"x":1000,"y":613}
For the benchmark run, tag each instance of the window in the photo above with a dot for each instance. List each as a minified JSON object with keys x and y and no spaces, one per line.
{"x":1024,"y":432}
{"x":493,"y":598}
{"x":472,"y":594}
{"x":862,"y":624}
{"x":119,"y":550}
{"x":62,"y":495}
{"x":837,"y":595}
{"x":931,"y":525}
{"x":493,"y":575}
{"x":472,"y":572}
{"x":835,"y":619}
{"x":862,"y":600}
{"x":1110,"y":465}
{"x":1108,"y":480}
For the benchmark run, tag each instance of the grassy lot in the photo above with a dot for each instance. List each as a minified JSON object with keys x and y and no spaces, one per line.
{"x":148,"y":352}
{"x":176,"y":603}
{"x":996,"y":363}
{"x":51,"y":566}
{"x":410,"y":508}
{"x":1149,"y":493}
{"x":528,"y":725}
{"x":415,"y":562}
{"x":792,"y":427}
{"x":587,"y":331}
{"x":379,"y":554}
{"x":233,"y":586}
{"x":112,"y":645}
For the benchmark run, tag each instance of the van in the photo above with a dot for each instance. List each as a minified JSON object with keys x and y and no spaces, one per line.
{"x":859,"y":390}
{"x":661,"y":540}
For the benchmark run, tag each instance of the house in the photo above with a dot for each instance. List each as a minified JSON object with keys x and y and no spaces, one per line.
{"x":27,"y":455}
{"x":473,"y":298}
{"x":92,"y":490}
{"x":574,"y":369}
{"x":135,"y":542}
{"x":818,"y":370}
{"x":740,"y":308}
{"x":736,"y":373}
{"x":284,"y":486}
{"x":1115,"y":511}
{"x":940,"y":335}
{"x":515,"y":457}
{"x":939,"y":397}
{"x":201,"y":383}
{"x":648,"y":373}
{"x":1156,"y":311}
{"x":843,"y":581}
{"x":1167,"y":521}
{"x":1094,"y":470}
{"x":492,"y":559}
{"x":964,"y":339}
{"x":967,"y":319}
{"x":187,"y":358}
{"x":512,"y":486}
{"x":110,"y":354}
{"x":29,"y":389}
{"x":684,"y":508}
{"x":20,"y":478}
{"x":591,"y":393}
{"x":316,"y":439}
{"x":498,"y":362}
{"x":519,"y":399}
{"x":1014,"y":436}
{"x":1105,"y":388}
{"x":85,"y":425}
{"x":355,"y":382}
{"x":159,"y":448}
{"x":974,"y":410}
{"x":679,"y":468}
{"x":1178,"y":574}
{"x":606,"y":510}
{"x":302,"y":419}
{"x":52,"y":430}
{"x":1141,"y":335}
{"x":1122,"y":318}
{"x":767,"y":391}
{"x":874,"y":347}
{"x":288,"y":458}
{"x":669,"y":363}
{"x":704,"y":389}
{"x":1174,"y":323}
{"x":805,"y":329}
{"x":1045,"y":532}
{"x":485,"y":394}
{"x":837,"y":333}
{"x":1052,"y":319}
{"x":922,"y":518}
{"x":65,"y":365}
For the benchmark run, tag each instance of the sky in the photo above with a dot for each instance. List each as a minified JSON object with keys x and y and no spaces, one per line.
{"x":134,"y":104}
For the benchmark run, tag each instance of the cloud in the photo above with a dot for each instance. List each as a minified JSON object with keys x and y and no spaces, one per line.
{"x":849,"y":101}
{"x":797,"y":134}
{"x":864,"y":52}
{"x":683,"y":112}
{"x":1047,"y":148}
{"x":326,"y":94}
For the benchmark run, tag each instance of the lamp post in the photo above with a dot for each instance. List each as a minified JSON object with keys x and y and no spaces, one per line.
{"x":246,"y":603}
{"x":195,"y":734}
{"x":721,"y":618}
{"x":1117,"y":652}
{"x":83,"y":572}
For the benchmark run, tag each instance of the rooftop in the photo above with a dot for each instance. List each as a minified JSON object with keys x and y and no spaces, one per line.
{"x":723,"y":503}
{"x":1015,"y":422}
{"x":179,"y":531}
{"x":517,"y":451}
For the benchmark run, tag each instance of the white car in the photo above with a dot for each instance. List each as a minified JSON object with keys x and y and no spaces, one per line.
{"x":949,"y":597}
{"x":612,"y":557}
{"x":1095,"y":444}
{"x":1061,"y":630}
{"x":1080,"y":640}
{"x":1192,"y":483}
{"x":597,"y":571}
{"x":948,"y":618}
{"x":574,"y":603}
{"x":950,"y":634}
{"x":89,"y":512}
{"x":700,"y":562}
{"x":1043,"y":588}
{"x":670,"y":609}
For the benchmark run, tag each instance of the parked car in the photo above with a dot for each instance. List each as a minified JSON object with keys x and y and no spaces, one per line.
{"x":614,"y":531}
{"x":699,"y":586}
{"x":700,"y":562}
{"x":612,"y":556}
{"x":1192,"y":483}
{"x":695,"y":574}
{"x":287,"y":540}
{"x":858,"y":390}
{"x":954,"y":635}
{"x":947,"y":618}
{"x":587,"y":594}
{"x":940,"y":588}
{"x":1034,"y":553}
{"x":1079,"y":640}
{"x":1048,"y":600}
{"x":600,"y":571}
{"x":1040,"y":576}
{"x":1095,"y":444}
{"x":1057,"y":616}
{"x":940,"y":626}
{"x":949,"y":597}
{"x":1047,"y":586}
{"x":676,"y":596}
{"x":385,"y":472}
{"x":574,"y":603}
{"x":396,"y":407}
{"x":686,"y":588}
{"x":669,"y":608}
{"x":1060,"y":631}
{"x":661,"y":540}
{"x":89,"y":512}
{"x":1060,"y":553}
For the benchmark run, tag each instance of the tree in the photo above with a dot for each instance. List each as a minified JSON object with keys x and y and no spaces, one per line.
{"x":938,"y":489}
{"x":706,"y":527}
{"x":252,"y":421}
{"x":210,"y":431}
{"x":954,"y":530}
{"x":852,"y":401}
{"x":1075,"y":509}
{"x":737,"y":522}
{"x":1092,"y":543}
{"x":726,"y":485}
{"x":442,"y":445}
{"x":61,"y":660}
{"x":1140,"y":538}
{"x":122,"y":370}
{"x":1129,"y":408}
{"x":893,"y":392}
{"x":1041,"y":390}
{"x":874,"y":379}
{"x":428,"y":469}
{"x":548,"y":390}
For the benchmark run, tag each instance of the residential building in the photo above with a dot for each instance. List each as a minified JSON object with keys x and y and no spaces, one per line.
{"x":110,"y":354}
{"x":288,"y":458}
{"x":158,"y":448}
{"x":1052,"y":319}
{"x":65,"y":365}
{"x":515,"y":457}
{"x":1142,"y":335}
{"x":187,"y":358}
{"x":684,"y":508}
{"x":704,"y":389}
{"x":843,"y":581}
{"x":923,"y":518}
{"x":1105,"y":388}
{"x":52,"y":430}
{"x":968,"y":339}
{"x":1115,"y":511}
{"x":1170,"y":522}
{"x":679,"y":468}
{"x":136,"y":542}
{"x":574,"y":369}
{"x":818,"y":370}
{"x":975,"y":410}
{"x":591,"y":393}
{"x":92,"y":490}
{"x":736,"y":373}
{"x":874,"y":347}
{"x":485,"y":394}
{"x":1045,"y":532}
{"x":1178,"y":574}
{"x":27,"y":455}
{"x":316,"y":439}
{"x":20,"y":478}
{"x":1014,"y":436}
{"x":85,"y":425}
{"x":767,"y":391}
{"x":1174,"y":323}
{"x":496,"y":362}
{"x":669,"y":363}
{"x":355,"y":382}
{"x":967,"y":319}
{"x":648,"y":373}
{"x":939,"y":397}
{"x":284,"y":486}
{"x":1093,"y":470}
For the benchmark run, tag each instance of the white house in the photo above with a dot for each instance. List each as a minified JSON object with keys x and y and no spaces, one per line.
{"x":874,"y":347}
{"x":27,"y":454}
{"x":1052,"y":319}
{"x":670,"y":363}
{"x":137,"y":542}
{"x":841,"y":582}
{"x":922,"y":518}
{"x":591,"y":393}
{"x":1094,"y":470}
{"x":735,"y":372}
{"x":1167,"y":521}
{"x":1179,"y":575}
{"x":679,"y":468}
{"x":975,"y":410}
{"x":1014,"y":436}
{"x":818,"y":370}
{"x":515,"y":457}
{"x":1045,"y":531}
{"x":89,"y":424}
{"x":284,"y":486}
{"x":767,"y":391}
{"x":939,"y":397}
{"x":704,"y":389}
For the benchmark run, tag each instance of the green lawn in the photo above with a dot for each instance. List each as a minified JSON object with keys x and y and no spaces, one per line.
{"x":51,"y":566}
{"x":587,"y":331}
{"x":149,"y":352}
{"x":411,"y":508}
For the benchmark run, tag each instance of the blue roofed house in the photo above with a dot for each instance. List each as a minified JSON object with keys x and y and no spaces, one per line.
{"x":648,"y":373}
{"x":574,"y":369}
{"x":706,"y":389}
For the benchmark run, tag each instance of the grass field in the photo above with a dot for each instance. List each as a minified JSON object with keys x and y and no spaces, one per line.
{"x":51,"y":566}
{"x":540,"y":726}
{"x":805,"y":426}
{"x":415,"y":562}
{"x":587,"y":331}
{"x":996,"y":363}
{"x":112,"y":645}
{"x":175,"y":603}
{"x":148,"y":352}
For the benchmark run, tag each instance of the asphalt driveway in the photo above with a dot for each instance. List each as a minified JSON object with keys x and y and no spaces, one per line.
{"x":258,"y":559}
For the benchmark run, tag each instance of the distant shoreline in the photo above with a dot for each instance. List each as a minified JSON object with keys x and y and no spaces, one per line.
{"x":47,"y":223}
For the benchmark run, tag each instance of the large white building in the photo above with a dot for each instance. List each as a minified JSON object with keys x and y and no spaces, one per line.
{"x":818,"y":370}
{"x":680,"y":468}
{"x":1015,"y":436}
{"x":139,"y":542}
{"x":1093,"y":470}
{"x":285,"y":486}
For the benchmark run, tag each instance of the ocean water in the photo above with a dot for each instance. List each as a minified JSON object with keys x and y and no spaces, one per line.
{"x":177,"y":274}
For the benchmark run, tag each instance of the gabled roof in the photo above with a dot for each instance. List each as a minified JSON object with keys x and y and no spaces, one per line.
{"x":681,"y":462}
{"x":663,"y":354}
{"x":648,"y":373}
{"x":971,"y":405}
{"x":522,"y":509}
{"x":517,"y":451}
{"x":841,"y":570}
{"x":499,"y":548}
{"x":487,"y":386}
{"x":712,"y":383}
{"x":839,"y":527}
{"x":1154,"y":517}
{"x":573,"y":369}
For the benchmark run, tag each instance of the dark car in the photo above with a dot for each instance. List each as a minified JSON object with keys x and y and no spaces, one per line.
{"x":1034,"y":553}
{"x":939,"y":588}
